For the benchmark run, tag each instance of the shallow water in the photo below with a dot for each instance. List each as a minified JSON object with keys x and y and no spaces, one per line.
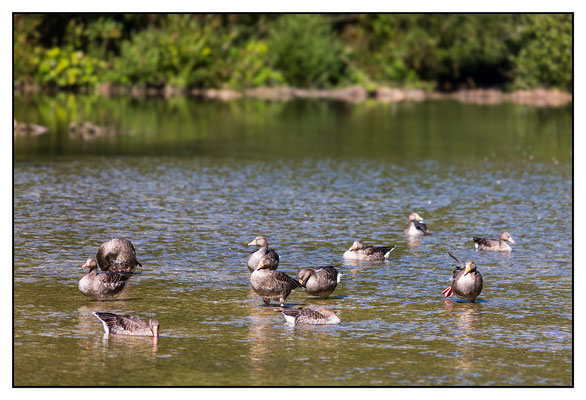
{"x":192,"y":184}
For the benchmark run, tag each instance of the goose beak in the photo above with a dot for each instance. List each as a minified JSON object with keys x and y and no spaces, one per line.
{"x":301,"y":282}
{"x":253,"y":243}
{"x":353,"y":247}
{"x":467,"y":270}
{"x":511,"y":240}
{"x":261,"y":265}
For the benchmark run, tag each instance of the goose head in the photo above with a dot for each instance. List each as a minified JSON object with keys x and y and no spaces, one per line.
{"x":91,"y":264}
{"x":357,"y":245}
{"x":154,"y":325}
{"x":415,"y":217}
{"x":470,"y":267}
{"x":259,"y":241}
{"x":304,"y":275}
{"x":506,"y":237}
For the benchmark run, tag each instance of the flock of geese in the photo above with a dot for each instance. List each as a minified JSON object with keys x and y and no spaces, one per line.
{"x":117,"y":259}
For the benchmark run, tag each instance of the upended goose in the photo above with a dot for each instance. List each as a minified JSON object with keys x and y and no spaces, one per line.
{"x":270,"y":256}
{"x":466,"y":281}
{"x":360,"y":252}
{"x":320,"y":316}
{"x":117,"y":255}
{"x":416,"y":227}
{"x":494,"y":245}
{"x":116,"y":324}
{"x":272,"y":285}
{"x":102,"y":286}
{"x":320,"y":281}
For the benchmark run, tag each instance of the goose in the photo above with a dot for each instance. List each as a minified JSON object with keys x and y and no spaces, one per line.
{"x":116,"y":324}
{"x":270,"y":284}
{"x":320,"y":316}
{"x":270,"y":256}
{"x":102,"y":286}
{"x":360,"y":252}
{"x":117,"y":255}
{"x":494,"y":245}
{"x":466,"y":281}
{"x":416,"y":227}
{"x":320,"y":281}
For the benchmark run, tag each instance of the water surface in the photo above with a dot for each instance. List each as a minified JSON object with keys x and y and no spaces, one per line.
{"x":191,"y":183}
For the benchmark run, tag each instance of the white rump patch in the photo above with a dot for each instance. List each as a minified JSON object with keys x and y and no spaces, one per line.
{"x":103,"y":323}
{"x":388,"y":253}
{"x":289,"y":319}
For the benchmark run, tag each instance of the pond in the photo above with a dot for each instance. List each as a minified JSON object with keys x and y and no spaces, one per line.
{"x":191,"y":182}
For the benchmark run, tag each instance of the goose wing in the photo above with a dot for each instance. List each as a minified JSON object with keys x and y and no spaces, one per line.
{"x":308,"y":316}
{"x":482,"y":241}
{"x":113,"y":280}
{"x":374,"y":250}
{"x":420,"y":226}
{"x":118,"y":324}
{"x":328,"y":272}
{"x":284,"y":281}
{"x":117,"y":254}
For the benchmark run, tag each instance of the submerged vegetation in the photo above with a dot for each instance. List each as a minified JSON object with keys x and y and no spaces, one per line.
{"x":435,"y":51}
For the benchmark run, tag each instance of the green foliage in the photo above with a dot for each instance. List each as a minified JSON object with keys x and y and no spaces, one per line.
{"x":445,"y":47}
{"x":301,"y":50}
{"x":251,"y":67}
{"x":546,"y":57}
{"x":179,"y":54}
{"x":68,"y":67}
{"x":306,"y":51}
{"x":27,"y":51}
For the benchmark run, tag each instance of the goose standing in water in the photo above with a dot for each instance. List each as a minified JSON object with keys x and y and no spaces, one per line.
{"x":466,"y":281}
{"x":117,"y":255}
{"x":360,"y":252}
{"x":321,"y":316}
{"x":416,"y":227}
{"x":320,"y":281}
{"x":272,"y":285}
{"x":271,"y":258}
{"x":116,"y":324}
{"x":494,"y":245}
{"x":102,"y":286}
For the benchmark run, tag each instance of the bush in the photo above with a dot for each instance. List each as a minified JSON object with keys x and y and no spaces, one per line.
{"x":305,"y":50}
{"x":27,"y":51}
{"x":445,"y":48}
{"x":69,"y":67}
{"x":251,"y":66}
{"x":545,"y":59}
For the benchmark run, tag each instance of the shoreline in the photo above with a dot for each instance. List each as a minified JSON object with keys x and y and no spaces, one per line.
{"x":351,"y":94}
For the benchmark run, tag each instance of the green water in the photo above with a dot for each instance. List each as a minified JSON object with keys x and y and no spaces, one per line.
{"x":435,"y":130}
{"x":192,"y":182}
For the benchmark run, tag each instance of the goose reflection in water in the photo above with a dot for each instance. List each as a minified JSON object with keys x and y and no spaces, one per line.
{"x":133,"y":344}
{"x":260,"y":338}
{"x":272,"y":340}
{"x":464,"y":319}
{"x":412,"y":242}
